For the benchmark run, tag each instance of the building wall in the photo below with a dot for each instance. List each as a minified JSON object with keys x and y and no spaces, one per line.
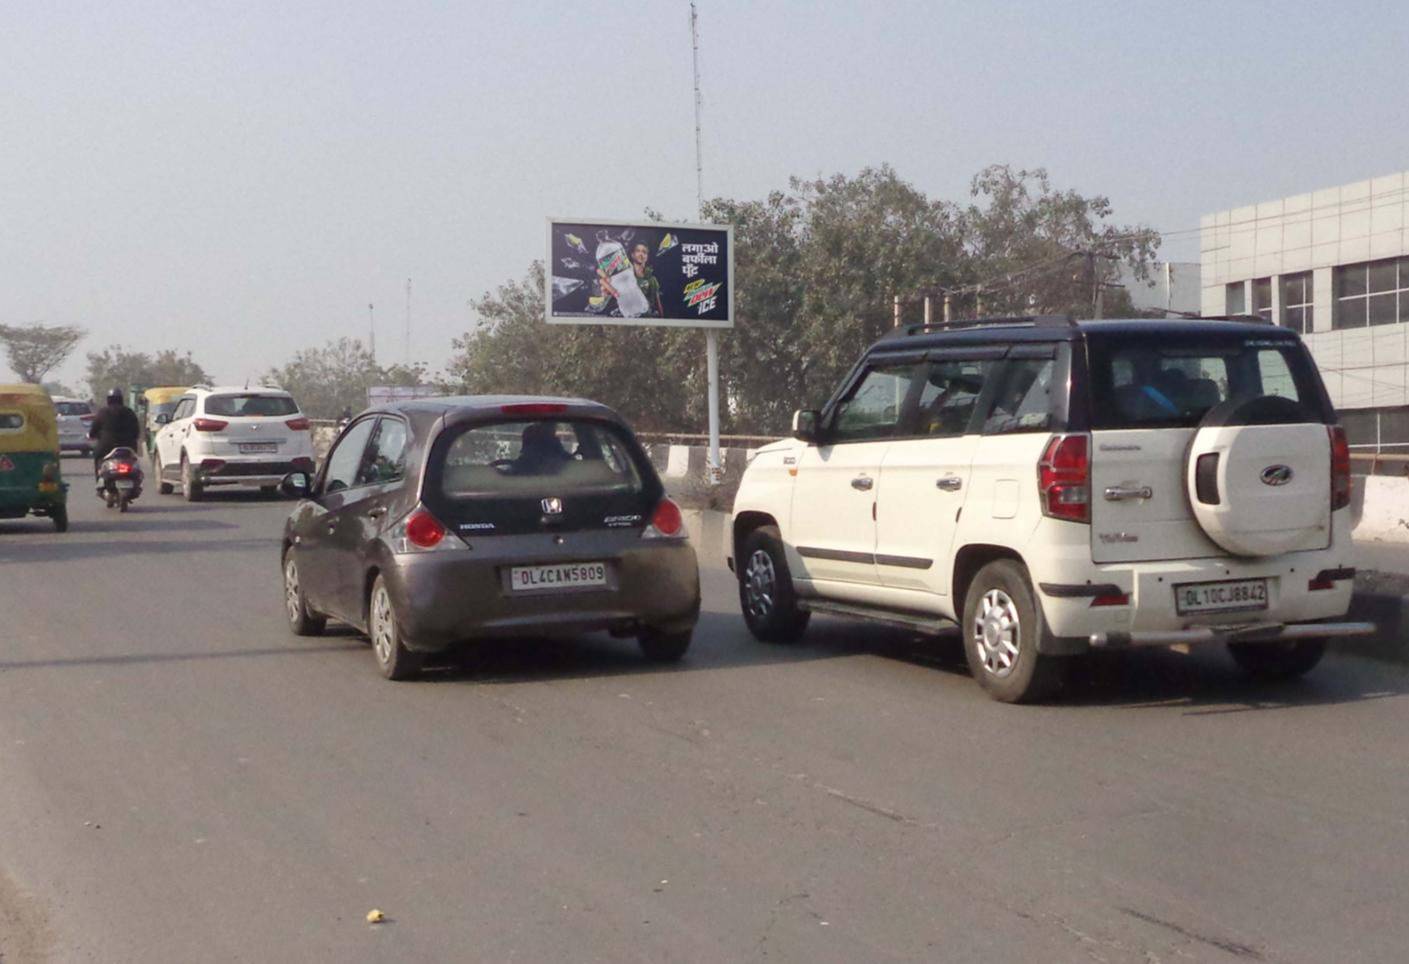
{"x":1319,"y":232}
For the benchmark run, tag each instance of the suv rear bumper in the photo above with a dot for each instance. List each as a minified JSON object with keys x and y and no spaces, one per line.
{"x":214,"y":472}
{"x":1256,"y":633}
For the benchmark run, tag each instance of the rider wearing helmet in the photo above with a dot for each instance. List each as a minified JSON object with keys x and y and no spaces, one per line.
{"x":114,"y":426}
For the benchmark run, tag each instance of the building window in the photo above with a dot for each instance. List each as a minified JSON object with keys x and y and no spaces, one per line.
{"x":1296,"y":302}
{"x":1372,"y":293}
{"x":1236,"y":299}
{"x":1262,"y":298}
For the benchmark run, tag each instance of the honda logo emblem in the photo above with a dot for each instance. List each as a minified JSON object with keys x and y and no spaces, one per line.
{"x":553,"y":506}
{"x":1277,"y":475}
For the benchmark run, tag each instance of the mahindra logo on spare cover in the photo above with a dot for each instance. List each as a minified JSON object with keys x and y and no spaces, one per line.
{"x":1277,"y":475}
{"x":552,"y":506}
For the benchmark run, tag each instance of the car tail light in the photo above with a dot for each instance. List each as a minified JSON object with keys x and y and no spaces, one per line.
{"x":299,"y":424}
{"x":1340,"y":468}
{"x":534,"y":408}
{"x":210,"y":465}
{"x":1064,"y":478}
{"x":304,"y":464}
{"x":85,"y":418}
{"x":210,"y":425}
{"x":666,"y":522}
{"x":1111,"y":599}
{"x":420,"y":531}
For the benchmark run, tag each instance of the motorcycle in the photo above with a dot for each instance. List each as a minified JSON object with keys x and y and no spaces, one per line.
{"x":120,"y":478}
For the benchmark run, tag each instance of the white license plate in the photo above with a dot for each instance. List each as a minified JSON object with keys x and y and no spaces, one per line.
{"x":124,"y":485}
{"x":569,"y":575}
{"x":1220,"y":597}
{"x":258,"y":448}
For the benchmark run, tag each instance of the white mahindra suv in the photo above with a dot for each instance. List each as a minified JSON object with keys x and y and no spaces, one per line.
{"x":1054,"y":487}
{"x":231,"y":436}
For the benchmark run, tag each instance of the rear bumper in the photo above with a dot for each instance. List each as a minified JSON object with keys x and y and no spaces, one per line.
{"x":1257,"y":633}
{"x":250,"y":472}
{"x":444,"y":597}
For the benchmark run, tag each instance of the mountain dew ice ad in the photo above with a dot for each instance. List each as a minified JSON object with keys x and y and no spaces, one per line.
{"x":611,"y":273}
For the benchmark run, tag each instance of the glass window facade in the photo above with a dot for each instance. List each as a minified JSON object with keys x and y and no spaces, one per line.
{"x":1236,"y":299}
{"x":1297,"y":302}
{"x":1371,"y":293}
{"x":1262,"y":298}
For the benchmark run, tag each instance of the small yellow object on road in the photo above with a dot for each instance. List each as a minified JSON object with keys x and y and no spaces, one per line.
{"x":375,"y":916}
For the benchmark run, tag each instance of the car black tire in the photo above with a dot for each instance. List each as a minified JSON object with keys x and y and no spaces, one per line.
{"x":393,"y":658}
{"x":661,"y":647}
{"x":766,"y":594}
{"x":1002,"y":623}
{"x":302,"y":620}
{"x":191,"y":490}
{"x":1269,"y":661}
{"x":59,"y":516}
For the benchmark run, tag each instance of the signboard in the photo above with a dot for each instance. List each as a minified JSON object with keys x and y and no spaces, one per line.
{"x":617,"y":273}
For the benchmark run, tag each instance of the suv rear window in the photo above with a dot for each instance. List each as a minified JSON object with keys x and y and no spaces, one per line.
{"x":524,"y":458}
{"x":250,"y":406}
{"x":73,"y":408}
{"x":1143,"y":382}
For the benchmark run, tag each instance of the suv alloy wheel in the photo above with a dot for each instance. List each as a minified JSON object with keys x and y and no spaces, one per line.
{"x":1001,"y":625}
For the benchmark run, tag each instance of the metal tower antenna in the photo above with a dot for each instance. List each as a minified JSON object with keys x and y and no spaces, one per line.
{"x":699,"y":103}
{"x":372,"y":331}
{"x":407,"y":359}
{"x":716,"y":472}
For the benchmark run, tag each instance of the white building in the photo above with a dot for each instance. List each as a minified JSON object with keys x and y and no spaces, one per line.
{"x":1333,"y":264}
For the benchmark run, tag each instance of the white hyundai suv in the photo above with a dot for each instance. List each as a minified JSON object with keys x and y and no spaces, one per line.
{"x":1055,"y":487}
{"x":249,"y":437}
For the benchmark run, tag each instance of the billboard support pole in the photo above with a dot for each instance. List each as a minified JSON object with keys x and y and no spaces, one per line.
{"x":716,"y":470}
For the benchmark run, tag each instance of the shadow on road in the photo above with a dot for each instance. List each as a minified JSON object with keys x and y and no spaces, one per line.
{"x":130,"y":659}
{"x":65,"y":549}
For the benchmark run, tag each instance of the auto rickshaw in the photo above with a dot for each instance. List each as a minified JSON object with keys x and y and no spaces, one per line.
{"x":29,"y":456}
{"x":157,"y":401}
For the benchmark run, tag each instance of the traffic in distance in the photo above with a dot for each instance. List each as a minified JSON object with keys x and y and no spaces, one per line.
{"x":1051,"y":487}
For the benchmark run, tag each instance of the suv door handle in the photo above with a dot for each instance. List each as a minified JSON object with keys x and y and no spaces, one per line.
{"x":950,"y":483}
{"x":862,"y":483}
{"x":1123,"y":493}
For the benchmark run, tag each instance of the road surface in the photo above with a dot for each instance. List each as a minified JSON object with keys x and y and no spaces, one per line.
{"x":181,"y":779}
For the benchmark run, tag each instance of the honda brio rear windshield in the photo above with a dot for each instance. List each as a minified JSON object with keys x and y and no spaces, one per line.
{"x":73,"y":408}
{"x":1165,"y":380}
{"x":524,"y":458}
{"x":250,"y":406}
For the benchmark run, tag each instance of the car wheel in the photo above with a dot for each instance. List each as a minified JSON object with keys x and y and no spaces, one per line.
{"x":190,"y":489}
{"x":1278,"y":660}
{"x":59,"y":515}
{"x":393,"y":658}
{"x":302,"y":620}
{"x":661,"y":647}
{"x":1002,"y":623}
{"x":766,"y":593}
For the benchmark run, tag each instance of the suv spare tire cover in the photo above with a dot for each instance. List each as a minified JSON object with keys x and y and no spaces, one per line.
{"x":1271,"y":477}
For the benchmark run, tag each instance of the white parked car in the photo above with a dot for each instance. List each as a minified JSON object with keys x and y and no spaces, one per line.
{"x":249,"y":437}
{"x":1054,"y":487}
{"x":75,"y":417}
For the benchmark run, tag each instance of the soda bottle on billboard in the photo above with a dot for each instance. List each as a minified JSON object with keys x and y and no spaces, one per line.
{"x":612,"y":262}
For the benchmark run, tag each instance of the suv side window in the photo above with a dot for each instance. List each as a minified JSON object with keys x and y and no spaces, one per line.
{"x":183,"y":409}
{"x":345,"y":460}
{"x":949,"y":396}
{"x":875,"y":407}
{"x":386,"y":458}
{"x":1023,"y":402}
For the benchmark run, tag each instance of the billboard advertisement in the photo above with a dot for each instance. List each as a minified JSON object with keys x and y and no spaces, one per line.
{"x":616,"y":273}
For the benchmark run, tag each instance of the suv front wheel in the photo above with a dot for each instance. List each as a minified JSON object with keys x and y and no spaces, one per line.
{"x":1002,"y":623}
{"x":766,"y":593}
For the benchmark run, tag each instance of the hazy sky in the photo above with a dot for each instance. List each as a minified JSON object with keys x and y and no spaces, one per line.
{"x":241,"y":179}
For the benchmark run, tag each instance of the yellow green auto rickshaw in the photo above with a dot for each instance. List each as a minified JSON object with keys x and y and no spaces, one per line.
{"x":158,"y":401}
{"x":29,"y":456}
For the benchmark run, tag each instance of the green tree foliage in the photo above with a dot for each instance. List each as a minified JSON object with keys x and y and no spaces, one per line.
{"x":117,"y":367}
{"x":36,"y":350}
{"x":816,"y":271}
{"x":327,"y":380}
{"x":58,"y":389}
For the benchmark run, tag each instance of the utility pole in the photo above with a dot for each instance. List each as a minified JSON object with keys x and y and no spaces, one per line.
{"x":372,"y":331}
{"x":716,"y":469}
{"x":407,"y":358}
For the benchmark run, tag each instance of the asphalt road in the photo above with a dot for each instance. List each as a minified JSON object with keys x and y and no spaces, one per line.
{"x":183,"y":780}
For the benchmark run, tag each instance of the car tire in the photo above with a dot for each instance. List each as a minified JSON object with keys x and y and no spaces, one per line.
{"x":766,"y":594}
{"x":302,"y":620}
{"x":661,"y":647}
{"x":191,"y":490}
{"x":1269,"y":661}
{"x":59,"y":516}
{"x":393,"y":658}
{"x":1001,"y":627}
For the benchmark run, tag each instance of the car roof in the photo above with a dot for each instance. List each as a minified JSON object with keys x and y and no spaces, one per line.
{"x":237,"y":390}
{"x":458,"y":407}
{"x":1061,"y":328}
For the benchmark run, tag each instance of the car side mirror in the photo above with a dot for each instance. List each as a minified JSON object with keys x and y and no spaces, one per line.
{"x":296,"y":485}
{"x":805,"y":423}
{"x":164,"y":418}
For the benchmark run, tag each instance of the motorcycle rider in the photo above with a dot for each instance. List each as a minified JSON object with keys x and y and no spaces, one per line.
{"x":115,"y":425}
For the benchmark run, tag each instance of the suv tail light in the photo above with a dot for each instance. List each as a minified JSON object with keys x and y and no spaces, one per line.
{"x":420,"y":531}
{"x":1340,"y":468}
{"x":666,"y":522}
{"x":85,"y":418}
{"x":209,"y":425}
{"x":1064,"y":478}
{"x":299,"y":424}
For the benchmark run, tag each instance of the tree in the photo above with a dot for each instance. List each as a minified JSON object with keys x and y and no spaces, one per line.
{"x":117,"y":367}
{"x":327,"y":380}
{"x":36,"y":350}
{"x":57,"y":389}
{"x":169,"y":368}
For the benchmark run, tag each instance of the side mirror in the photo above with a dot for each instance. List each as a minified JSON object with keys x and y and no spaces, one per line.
{"x":163,"y":418}
{"x":805,"y":422}
{"x":296,"y":485}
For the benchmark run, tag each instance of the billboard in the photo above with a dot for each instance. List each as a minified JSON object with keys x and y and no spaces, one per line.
{"x":617,"y":273}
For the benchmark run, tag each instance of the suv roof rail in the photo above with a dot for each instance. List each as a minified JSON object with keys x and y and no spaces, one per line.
{"x":1245,"y":319}
{"x":1036,"y":321}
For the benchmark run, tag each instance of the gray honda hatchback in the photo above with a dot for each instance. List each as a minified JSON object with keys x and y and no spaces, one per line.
{"x":447,"y":519}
